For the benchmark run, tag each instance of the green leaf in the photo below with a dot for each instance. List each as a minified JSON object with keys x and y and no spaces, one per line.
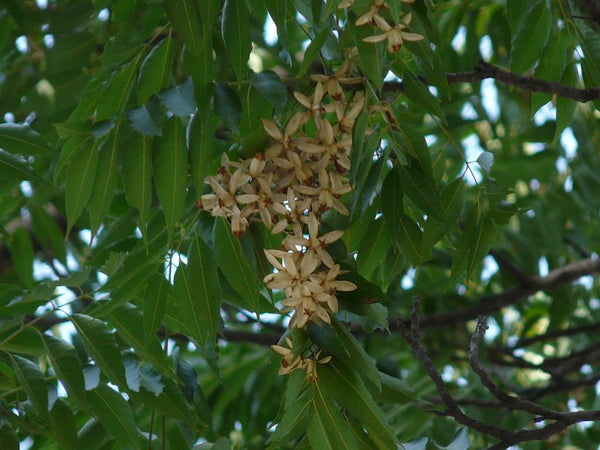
{"x":235,"y":28}
{"x":155,"y":304}
{"x":371,"y":55}
{"x":590,"y":65}
{"x":270,"y":86}
{"x":313,"y":50}
{"x":395,"y":390}
{"x":391,"y":200}
{"x":186,"y":21}
{"x":128,"y":320}
{"x":80,"y":179}
{"x":327,"y":428}
{"x":106,"y":179}
{"x":8,"y":438}
{"x":409,"y":140}
{"x":409,"y":240}
{"x":136,"y":161}
{"x":202,"y":147}
{"x":350,"y":392}
{"x":170,"y":161}
{"x":180,"y":99}
{"x":22,"y":140}
{"x":474,"y":243}
{"x":531,"y":37}
{"x":32,"y":379}
{"x":373,"y":247}
{"x":453,"y":200}
{"x":294,"y":421}
{"x":70,"y":148}
{"x":155,"y":70}
{"x":67,"y":367}
{"x":235,"y":265}
{"x":114,"y":99}
{"x":201,"y":69}
{"x":22,"y":254}
{"x":420,"y":189}
{"x":100,"y":344}
{"x":551,"y":67}
{"x":228,"y":106}
{"x":358,"y":358}
{"x":14,"y":167}
{"x":115,"y":415}
{"x":565,"y":107}
{"x":148,"y":119}
{"x":62,"y":423}
{"x":197,"y":294}
{"x":416,"y":91}
{"x":515,"y":11}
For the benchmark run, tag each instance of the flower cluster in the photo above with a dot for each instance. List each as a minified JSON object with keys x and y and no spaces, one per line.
{"x":291,"y":361}
{"x":289,"y":187}
{"x":394,"y":35}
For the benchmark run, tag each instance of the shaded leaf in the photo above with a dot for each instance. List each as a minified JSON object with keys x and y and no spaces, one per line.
{"x":115,"y":98}
{"x":155,"y":304}
{"x":147,"y":119}
{"x":136,"y":161}
{"x":327,"y":428}
{"x":105,"y":183}
{"x":235,"y":265}
{"x":471,"y":247}
{"x":62,"y":423}
{"x":170,"y":160}
{"x":14,"y":167}
{"x":350,"y":392}
{"x":22,"y":140}
{"x":228,"y":106}
{"x":235,"y":28}
{"x":32,"y":379}
{"x":197,"y":294}
{"x":313,"y":50}
{"x":531,"y":37}
{"x":79,"y":183}
{"x":67,"y":367}
{"x":202,"y":147}
{"x":186,"y":21}
{"x":101,"y":345}
{"x":270,"y":86}
{"x":129,"y":321}
{"x":115,"y":415}
{"x":373,"y":247}
{"x":155,"y":70}
{"x":180,"y":99}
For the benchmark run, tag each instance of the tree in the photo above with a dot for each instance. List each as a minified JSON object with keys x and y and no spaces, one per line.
{"x":377,"y":225}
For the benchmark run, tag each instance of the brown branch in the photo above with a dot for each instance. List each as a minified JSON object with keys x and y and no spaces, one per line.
{"x":484,"y":70}
{"x":513,"y":295}
{"x":560,"y":420}
{"x":411,"y":334}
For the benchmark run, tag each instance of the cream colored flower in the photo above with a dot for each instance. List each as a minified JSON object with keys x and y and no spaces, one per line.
{"x":394,"y":35}
{"x":310,"y":365}
{"x":290,"y":360}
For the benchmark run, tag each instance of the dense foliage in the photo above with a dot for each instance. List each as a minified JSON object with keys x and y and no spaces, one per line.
{"x":299,"y":224}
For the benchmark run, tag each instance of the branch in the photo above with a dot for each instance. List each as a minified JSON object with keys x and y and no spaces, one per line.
{"x":560,"y":420}
{"x":484,"y":70}
{"x":528,"y":285}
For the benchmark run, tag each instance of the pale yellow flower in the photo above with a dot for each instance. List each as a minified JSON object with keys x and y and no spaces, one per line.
{"x":394,"y":35}
{"x":310,"y":365}
{"x":290,"y":360}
